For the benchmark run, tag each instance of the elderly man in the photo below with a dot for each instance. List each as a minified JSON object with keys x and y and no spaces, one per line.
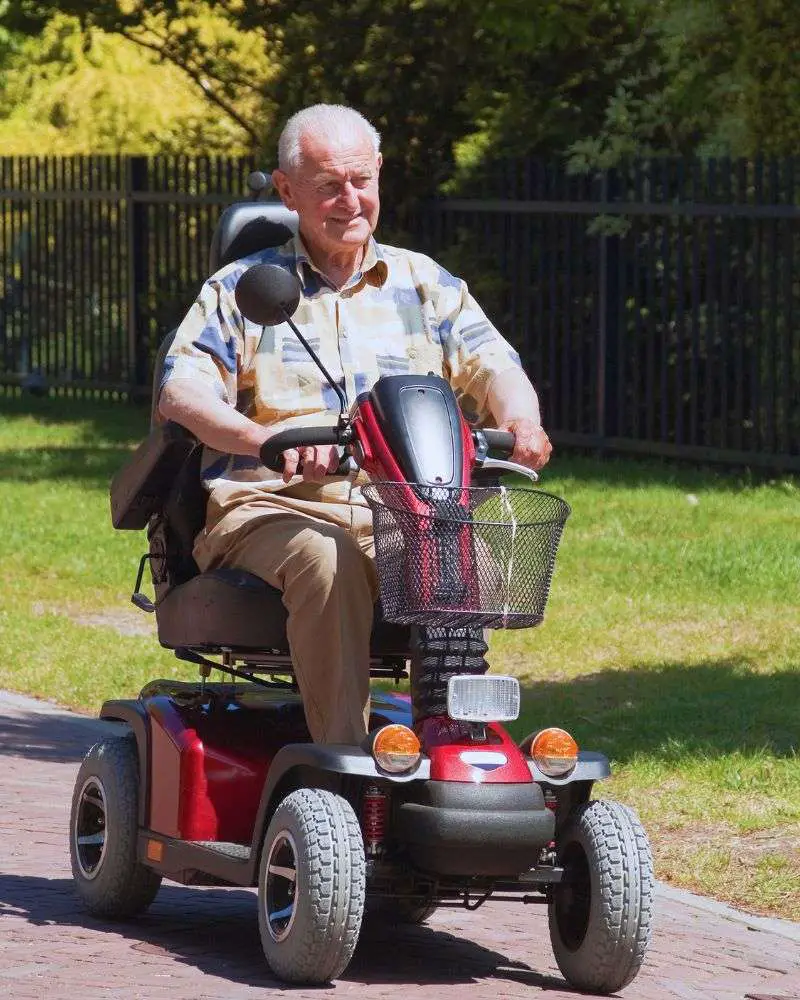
{"x":369,"y":310}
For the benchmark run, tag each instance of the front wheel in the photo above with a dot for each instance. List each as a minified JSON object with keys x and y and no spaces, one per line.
{"x":103,"y":827}
{"x":600,"y":920}
{"x":311,"y":887}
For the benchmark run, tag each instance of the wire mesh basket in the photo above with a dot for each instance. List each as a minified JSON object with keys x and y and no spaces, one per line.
{"x":465,"y":556}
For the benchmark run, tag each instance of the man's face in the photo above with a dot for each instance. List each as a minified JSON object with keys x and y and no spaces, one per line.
{"x":334,"y":189}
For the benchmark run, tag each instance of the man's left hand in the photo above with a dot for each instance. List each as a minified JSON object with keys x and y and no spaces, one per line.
{"x":532,"y":447}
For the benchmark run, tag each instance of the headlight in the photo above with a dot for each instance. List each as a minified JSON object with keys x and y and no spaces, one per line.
{"x":486,"y":698}
{"x":554,"y":752}
{"x":396,"y":749}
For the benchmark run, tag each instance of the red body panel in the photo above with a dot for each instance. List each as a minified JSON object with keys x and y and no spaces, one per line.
{"x":208,"y":767}
{"x":456,"y":757}
{"x":209,"y":760}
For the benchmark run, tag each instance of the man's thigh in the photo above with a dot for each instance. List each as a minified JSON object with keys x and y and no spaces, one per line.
{"x":272,"y":540}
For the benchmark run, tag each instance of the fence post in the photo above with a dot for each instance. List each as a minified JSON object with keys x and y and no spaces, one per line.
{"x":607,"y":358}
{"x":138,"y":362}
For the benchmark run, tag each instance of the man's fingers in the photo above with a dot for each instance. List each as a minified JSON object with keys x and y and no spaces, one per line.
{"x":313,"y":463}
{"x":333,"y":459}
{"x":291,"y":459}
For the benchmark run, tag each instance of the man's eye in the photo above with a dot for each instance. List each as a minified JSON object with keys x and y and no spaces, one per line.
{"x":330,"y":188}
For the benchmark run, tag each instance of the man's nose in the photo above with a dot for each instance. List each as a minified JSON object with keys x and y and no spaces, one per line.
{"x":349,"y":195}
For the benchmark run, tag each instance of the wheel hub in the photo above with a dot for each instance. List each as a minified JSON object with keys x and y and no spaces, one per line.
{"x":281,"y":886}
{"x":90,"y":827}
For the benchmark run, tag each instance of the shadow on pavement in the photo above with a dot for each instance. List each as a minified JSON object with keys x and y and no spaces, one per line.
{"x":216,"y":931}
{"x":50,"y":736}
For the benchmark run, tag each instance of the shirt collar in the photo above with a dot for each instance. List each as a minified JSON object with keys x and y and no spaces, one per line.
{"x":374,"y":269}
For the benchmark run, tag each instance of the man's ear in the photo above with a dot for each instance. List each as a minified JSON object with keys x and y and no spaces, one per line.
{"x":379,"y":161}
{"x":282,"y":184}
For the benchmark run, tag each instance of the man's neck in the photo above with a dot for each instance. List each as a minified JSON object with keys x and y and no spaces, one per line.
{"x":339,"y":266}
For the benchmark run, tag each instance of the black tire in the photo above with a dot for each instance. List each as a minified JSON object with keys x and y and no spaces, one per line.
{"x":397,"y":912}
{"x":600,"y":925}
{"x":311,"y":887}
{"x":103,"y":828}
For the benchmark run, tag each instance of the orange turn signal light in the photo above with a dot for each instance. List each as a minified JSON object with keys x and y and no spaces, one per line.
{"x":555,"y":752}
{"x":396,"y":749}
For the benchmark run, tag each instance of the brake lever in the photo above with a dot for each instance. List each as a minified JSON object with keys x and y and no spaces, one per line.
{"x":502,"y":465}
{"x":483,"y":462}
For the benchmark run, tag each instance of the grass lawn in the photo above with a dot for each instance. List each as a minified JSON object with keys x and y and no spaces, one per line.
{"x":672,"y":640}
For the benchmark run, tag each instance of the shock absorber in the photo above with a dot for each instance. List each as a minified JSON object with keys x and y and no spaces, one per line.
{"x":374,"y":820}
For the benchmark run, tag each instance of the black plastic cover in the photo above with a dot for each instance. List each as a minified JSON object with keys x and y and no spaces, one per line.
{"x":421,"y":421}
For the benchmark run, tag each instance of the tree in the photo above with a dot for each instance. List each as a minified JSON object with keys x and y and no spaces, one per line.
{"x":212,"y":72}
{"x":441,"y":79}
{"x":69,"y":91}
{"x":722,"y":79}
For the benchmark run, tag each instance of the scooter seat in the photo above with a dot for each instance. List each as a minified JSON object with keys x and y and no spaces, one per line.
{"x":234,"y":609}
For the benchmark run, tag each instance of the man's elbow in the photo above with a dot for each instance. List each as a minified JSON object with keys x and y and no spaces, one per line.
{"x":172,"y":402}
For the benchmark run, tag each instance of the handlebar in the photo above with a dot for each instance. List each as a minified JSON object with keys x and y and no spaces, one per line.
{"x":307,"y":437}
{"x":300,"y":437}
{"x":502,"y":441}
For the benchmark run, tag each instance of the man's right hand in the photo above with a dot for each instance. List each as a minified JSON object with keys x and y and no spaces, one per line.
{"x":315,"y":463}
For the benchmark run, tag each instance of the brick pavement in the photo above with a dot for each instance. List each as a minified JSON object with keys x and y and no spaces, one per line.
{"x":202,"y":944}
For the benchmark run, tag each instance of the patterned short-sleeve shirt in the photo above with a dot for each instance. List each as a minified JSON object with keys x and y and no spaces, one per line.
{"x":401,"y":314}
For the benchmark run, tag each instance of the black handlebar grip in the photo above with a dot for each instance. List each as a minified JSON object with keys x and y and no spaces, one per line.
{"x":502,"y":441}
{"x":297,"y":437}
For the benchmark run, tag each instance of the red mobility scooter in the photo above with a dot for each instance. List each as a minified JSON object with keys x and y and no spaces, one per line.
{"x":218,"y":783}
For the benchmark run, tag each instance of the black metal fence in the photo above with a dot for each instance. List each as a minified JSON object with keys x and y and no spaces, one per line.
{"x":654,"y":306}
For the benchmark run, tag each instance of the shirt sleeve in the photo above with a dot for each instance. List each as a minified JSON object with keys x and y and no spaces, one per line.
{"x":474,"y":351}
{"x":208,"y":344}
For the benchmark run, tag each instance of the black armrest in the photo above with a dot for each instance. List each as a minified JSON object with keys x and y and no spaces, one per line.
{"x":141,"y":486}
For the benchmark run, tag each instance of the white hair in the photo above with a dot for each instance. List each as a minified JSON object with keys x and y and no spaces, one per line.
{"x":331,"y":121}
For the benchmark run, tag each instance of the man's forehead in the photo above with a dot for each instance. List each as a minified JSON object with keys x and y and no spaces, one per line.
{"x":337,"y":153}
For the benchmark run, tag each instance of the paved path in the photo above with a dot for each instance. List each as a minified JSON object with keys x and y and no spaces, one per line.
{"x":202,"y":944}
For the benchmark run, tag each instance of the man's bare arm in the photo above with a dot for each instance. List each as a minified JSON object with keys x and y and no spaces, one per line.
{"x":515,"y":407}
{"x":198,"y":408}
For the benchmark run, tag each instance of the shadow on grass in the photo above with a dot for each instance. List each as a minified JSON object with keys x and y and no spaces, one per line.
{"x":216,"y":932}
{"x":95,"y":466}
{"x":714,"y":708}
{"x":105,"y":421}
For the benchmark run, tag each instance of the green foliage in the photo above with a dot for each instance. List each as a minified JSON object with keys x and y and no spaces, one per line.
{"x":449,"y":83}
{"x":705,"y":77}
{"x":82,"y":90}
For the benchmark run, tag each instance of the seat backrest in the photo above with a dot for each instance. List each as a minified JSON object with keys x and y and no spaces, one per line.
{"x":243,"y":228}
{"x":248,"y":227}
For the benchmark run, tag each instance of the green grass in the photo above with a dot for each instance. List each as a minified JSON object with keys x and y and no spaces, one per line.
{"x":671,"y":643}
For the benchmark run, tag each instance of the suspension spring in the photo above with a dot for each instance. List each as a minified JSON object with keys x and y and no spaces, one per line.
{"x":374,"y":820}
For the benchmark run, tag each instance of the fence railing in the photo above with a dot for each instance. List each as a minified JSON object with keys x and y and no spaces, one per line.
{"x":654,"y":305}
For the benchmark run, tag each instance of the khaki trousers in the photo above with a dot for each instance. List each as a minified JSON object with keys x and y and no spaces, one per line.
{"x":320,"y":555}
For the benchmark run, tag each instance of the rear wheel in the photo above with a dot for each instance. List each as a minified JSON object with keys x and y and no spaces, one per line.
{"x":311,"y":887}
{"x":103,"y":829}
{"x":600,"y":920}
